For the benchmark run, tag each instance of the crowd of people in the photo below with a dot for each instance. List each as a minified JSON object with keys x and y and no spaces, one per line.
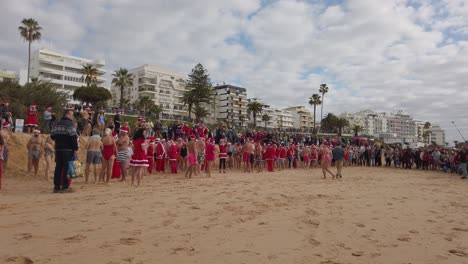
{"x":113,"y":151}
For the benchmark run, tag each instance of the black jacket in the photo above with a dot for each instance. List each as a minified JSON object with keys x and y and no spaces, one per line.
{"x":65,"y":136}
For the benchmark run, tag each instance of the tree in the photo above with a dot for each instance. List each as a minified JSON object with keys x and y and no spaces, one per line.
{"x":41,"y":93}
{"x":315,"y":100}
{"x":328,"y":124}
{"x":340,"y":124}
{"x":93,"y":95}
{"x":122,"y":78}
{"x":89,"y":74}
{"x":427,"y":132}
{"x":200,"y":113}
{"x":323,"y":90}
{"x":30,"y":31}
{"x":266,"y":118}
{"x":242,"y":119}
{"x":255,"y":108}
{"x":356,"y":129}
{"x":148,"y":106}
{"x":200,"y":88}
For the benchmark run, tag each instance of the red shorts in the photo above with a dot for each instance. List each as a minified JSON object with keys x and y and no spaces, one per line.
{"x":192,"y":159}
{"x":247,"y":156}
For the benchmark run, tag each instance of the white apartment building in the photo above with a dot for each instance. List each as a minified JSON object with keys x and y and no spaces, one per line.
{"x":437,"y":135}
{"x":231,"y":104}
{"x":63,"y":71}
{"x":302,"y":117}
{"x":164,"y":87}
{"x":284,"y":119}
{"x":381,"y":122}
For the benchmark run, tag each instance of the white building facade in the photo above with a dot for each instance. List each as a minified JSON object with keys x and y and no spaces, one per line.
{"x":302,"y":118}
{"x":437,"y":135}
{"x":230,"y":105}
{"x":64,"y":71}
{"x":164,"y":87}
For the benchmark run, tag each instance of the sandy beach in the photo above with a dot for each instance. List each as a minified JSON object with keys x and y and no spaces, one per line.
{"x":372,"y":215}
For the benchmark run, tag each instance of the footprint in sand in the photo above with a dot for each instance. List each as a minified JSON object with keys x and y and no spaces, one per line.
{"x":182,"y":250}
{"x":458,"y":252}
{"x":404,"y":238}
{"x":23,"y":236}
{"x":460,"y":229}
{"x":360,"y":225}
{"x":74,"y":239}
{"x":19,"y":260}
{"x":357,"y":253}
{"x":129,"y":241}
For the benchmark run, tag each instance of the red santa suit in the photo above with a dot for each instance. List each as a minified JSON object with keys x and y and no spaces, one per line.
{"x":270,"y":157}
{"x":173,"y":153}
{"x":31,"y":116}
{"x":126,"y":128}
{"x":160,"y":157}
{"x":149,"y":155}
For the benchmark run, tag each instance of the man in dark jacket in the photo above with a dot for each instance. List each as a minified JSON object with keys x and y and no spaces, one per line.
{"x":66,"y":147}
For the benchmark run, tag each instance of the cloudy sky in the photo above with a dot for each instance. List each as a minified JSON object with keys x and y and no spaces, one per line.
{"x":409,"y":55}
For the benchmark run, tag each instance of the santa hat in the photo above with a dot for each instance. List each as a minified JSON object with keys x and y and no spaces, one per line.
{"x":33,"y":104}
{"x":123,"y":130}
{"x":6,"y":124}
{"x":211,"y":140}
{"x":49,"y":108}
{"x":157,"y":139}
{"x":139,"y":118}
{"x":36,"y":131}
{"x":88,"y":108}
{"x":193,"y":136}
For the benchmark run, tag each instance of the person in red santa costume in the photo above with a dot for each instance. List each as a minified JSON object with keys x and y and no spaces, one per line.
{"x":210,"y":154}
{"x":149,"y":154}
{"x":31,"y":118}
{"x":173,"y":153}
{"x":270,"y":157}
{"x":160,"y":156}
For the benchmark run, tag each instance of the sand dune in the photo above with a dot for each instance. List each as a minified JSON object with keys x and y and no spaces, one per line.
{"x":373,"y":215}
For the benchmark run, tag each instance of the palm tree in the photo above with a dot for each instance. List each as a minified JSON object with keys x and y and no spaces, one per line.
{"x":122,"y":78}
{"x":340,"y":124}
{"x":427,"y":132}
{"x":266,"y":118}
{"x":314,"y":100}
{"x":189,"y":100}
{"x":323,"y":90}
{"x":144,"y":104}
{"x":356,"y":129}
{"x":30,"y":31}
{"x":242,"y":119}
{"x":89,"y":74}
{"x":200,"y":112}
{"x":255,"y":108}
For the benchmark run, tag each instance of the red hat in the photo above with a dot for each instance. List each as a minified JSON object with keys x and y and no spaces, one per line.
{"x":33,"y":104}
{"x":193,"y":136}
{"x":123,"y":130}
{"x":36,"y":131}
{"x":49,"y":108}
{"x":157,"y":139}
{"x":6,"y":124}
{"x":140,"y":118}
{"x":211,"y":140}
{"x":126,"y":129}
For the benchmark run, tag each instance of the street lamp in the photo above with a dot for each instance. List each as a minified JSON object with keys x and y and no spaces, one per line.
{"x":453,"y":122}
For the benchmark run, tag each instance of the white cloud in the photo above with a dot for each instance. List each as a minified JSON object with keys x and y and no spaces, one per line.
{"x":381,"y":55}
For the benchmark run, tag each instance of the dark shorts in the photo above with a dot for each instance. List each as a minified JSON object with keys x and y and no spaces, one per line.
{"x":252,"y":158}
{"x":93,"y":157}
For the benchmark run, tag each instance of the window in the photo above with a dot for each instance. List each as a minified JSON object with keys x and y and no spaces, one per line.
{"x":167,"y":92}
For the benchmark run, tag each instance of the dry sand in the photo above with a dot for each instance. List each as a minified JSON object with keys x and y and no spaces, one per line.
{"x":373,"y":215}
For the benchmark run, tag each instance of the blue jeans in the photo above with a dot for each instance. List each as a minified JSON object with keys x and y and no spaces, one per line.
{"x":463,"y":169}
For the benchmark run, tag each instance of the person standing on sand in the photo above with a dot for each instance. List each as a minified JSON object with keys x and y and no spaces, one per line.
{"x":5,"y":133}
{"x":326,"y":161}
{"x":222,"y":155}
{"x":48,"y":155}
{"x":210,"y":154}
{"x":35,"y":148}
{"x":109,"y":150}
{"x":338,"y":156}
{"x":93,"y":154}
{"x":139,"y":161}
{"x":122,"y":152}
{"x":200,"y":143}
{"x":192,"y":157}
{"x":249,"y":157}
{"x":66,"y":147}
{"x":31,"y":118}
